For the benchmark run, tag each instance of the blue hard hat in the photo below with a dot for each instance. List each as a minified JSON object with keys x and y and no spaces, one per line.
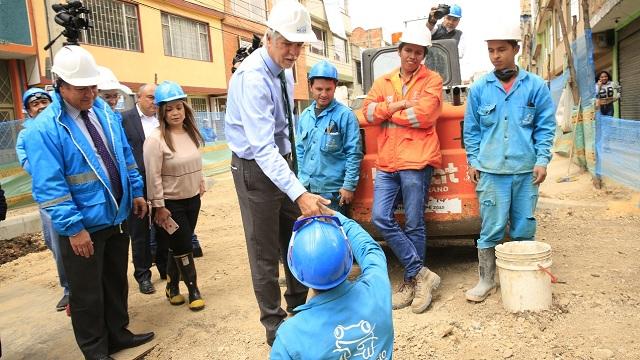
{"x":33,"y":94}
{"x":168,"y":91}
{"x":319,"y":253}
{"x":323,"y":69}
{"x":455,"y":11}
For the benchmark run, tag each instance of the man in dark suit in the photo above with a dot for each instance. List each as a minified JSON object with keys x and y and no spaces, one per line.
{"x":138,"y":123}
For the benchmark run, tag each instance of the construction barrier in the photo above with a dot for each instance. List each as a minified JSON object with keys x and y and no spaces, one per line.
{"x":618,"y":150}
{"x":16,"y":183}
{"x":582,"y":137}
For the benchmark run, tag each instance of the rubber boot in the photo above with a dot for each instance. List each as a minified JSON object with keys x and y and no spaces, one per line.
{"x":172,"y":291}
{"x":487,"y":272}
{"x":188,"y":270}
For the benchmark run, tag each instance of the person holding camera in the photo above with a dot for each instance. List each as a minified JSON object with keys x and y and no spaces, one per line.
{"x":175,"y":184}
{"x":447,"y":29}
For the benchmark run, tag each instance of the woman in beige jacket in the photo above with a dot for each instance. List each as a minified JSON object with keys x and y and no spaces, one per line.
{"x":174,"y":185}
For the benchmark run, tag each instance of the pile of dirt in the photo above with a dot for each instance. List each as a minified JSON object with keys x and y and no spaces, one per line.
{"x":20,"y":246}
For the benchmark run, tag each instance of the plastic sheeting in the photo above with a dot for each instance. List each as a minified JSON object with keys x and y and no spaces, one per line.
{"x":618,"y":150}
{"x":582,"y":139}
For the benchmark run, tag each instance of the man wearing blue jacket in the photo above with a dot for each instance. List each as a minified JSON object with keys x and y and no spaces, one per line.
{"x":343,"y":319}
{"x":328,"y":142}
{"x":86,"y":178}
{"x":509,"y":127}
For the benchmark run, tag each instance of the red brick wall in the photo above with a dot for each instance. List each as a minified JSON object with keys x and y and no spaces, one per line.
{"x":367,"y":39}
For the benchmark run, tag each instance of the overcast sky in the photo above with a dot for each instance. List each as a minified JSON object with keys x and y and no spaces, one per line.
{"x":477,"y":15}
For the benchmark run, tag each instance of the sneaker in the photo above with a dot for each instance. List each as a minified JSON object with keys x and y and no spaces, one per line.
{"x":426,"y":282}
{"x":405,"y":294}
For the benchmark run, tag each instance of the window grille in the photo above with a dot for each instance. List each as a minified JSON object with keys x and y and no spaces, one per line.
{"x":115,"y":24}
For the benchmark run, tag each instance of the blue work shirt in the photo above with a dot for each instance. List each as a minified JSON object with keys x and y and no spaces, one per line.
{"x":352,"y":320}
{"x":509,"y":133}
{"x":328,"y":149}
{"x":255,"y":123}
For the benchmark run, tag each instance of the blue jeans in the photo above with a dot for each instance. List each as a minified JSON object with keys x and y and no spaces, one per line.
{"x":409,"y":245}
{"x":52,"y":240}
{"x":335,"y":202}
{"x":506,"y":198}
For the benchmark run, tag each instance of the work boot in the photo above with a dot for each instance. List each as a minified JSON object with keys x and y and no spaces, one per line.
{"x":188,"y":272}
{"x":487,"y":272}
{"x":426,"y":282}
{"x":404,"y":296}
{"x":172,"y":291}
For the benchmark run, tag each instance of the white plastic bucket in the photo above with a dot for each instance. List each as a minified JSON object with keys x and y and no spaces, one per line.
{"x":524,"y":287}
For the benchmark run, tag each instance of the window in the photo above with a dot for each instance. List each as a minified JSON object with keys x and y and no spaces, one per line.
{"x":340,"y":49}
{"x":437,"y":60}
{"x":319,"y":47}
{"x":185,"y":38}
{"x":251,"y":9}
{"x":198,"y":104}
{"x":358,"y":72}
{"x":115,"y":24}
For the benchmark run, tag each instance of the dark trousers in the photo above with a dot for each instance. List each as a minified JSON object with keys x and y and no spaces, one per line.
{"x":98,"y":291}
{"x":140,"y":247}
{"x":267,"y":217}
{"x":185,"y":213}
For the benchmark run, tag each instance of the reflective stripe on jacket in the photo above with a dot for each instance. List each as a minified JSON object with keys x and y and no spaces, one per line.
{"x":408,"y":140}
{"x":509,"y":133}
{"x":67,"y":178}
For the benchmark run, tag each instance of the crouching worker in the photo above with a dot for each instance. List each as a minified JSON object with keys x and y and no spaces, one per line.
{"x":342,"y":318}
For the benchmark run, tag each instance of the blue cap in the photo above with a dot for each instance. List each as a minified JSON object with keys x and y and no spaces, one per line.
{"x":34,"y":94}
{"x":455,"y":11}
{"x":323,"y":69}
{"x":168,"y":91}
{"x":319,"y":253}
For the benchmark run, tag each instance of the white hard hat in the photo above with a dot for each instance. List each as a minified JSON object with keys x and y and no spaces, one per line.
{"x":108,"y":81}
{"x":503,"y":32}
{"x":291,"y":20}
{"x":417,"y":35}
{"x":76,"y":66}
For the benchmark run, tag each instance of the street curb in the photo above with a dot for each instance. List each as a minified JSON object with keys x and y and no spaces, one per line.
{"x":20,"y":225}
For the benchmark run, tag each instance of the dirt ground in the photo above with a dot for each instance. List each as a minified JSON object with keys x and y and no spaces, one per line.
{"x":595,"y":315}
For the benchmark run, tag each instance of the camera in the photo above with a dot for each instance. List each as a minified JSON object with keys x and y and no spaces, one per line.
{"x":243,"y":52}
{"x":441,"y":11}
{"x":70,"y":17}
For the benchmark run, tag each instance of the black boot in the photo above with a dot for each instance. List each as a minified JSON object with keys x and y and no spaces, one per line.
{"x":173,"y":282}
{"x":188,"y":271}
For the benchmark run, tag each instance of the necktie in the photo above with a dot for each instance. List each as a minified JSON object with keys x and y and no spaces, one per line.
{"x":287,"y":112}
{"x":112,"y":169}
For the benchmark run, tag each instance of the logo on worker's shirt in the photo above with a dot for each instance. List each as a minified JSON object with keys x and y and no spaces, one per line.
{"x":357,"y":341}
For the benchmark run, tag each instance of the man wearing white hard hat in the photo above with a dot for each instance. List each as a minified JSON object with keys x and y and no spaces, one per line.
{"x":86,"y":178}
{"x":259,"y":130}
{"x":406,"y":104}
{"x":110,"y":89}
{"x":509,"y":127}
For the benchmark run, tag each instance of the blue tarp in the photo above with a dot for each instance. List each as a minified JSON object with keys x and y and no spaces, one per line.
{"x":618,"y":150}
